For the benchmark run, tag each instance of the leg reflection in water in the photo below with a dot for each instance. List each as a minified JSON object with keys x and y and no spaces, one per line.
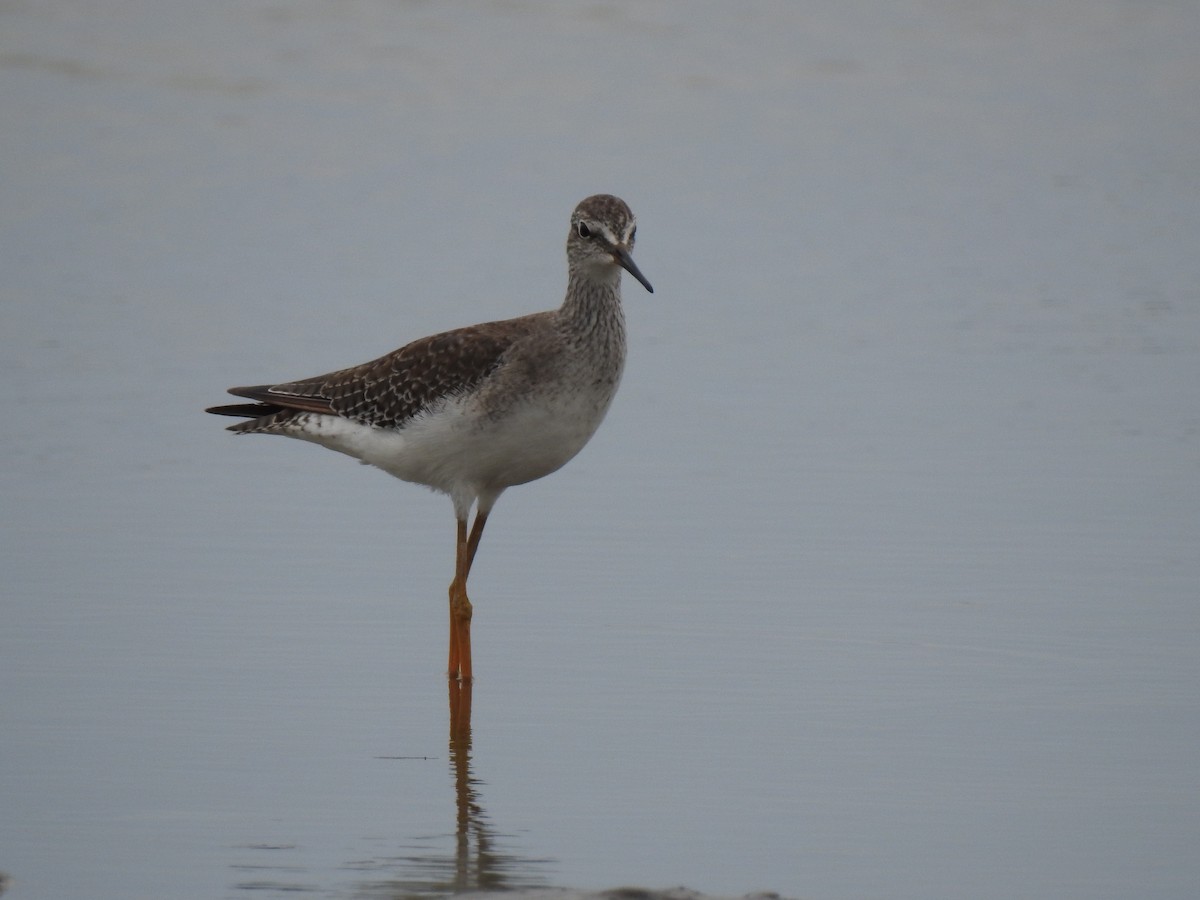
{"x":481,"y":859}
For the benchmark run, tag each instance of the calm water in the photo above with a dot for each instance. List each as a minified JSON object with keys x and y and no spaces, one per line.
{"x":881,"y":580}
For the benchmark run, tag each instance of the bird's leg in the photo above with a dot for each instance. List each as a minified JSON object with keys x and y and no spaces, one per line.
{"x":459,"y":665}
{"x":476,"y":534}
{"x":460,"y":606}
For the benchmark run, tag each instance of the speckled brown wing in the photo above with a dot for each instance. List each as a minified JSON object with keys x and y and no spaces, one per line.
{"x":389,"y":391}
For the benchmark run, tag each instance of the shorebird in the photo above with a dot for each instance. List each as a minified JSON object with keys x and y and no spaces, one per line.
{"x":474,"y":411}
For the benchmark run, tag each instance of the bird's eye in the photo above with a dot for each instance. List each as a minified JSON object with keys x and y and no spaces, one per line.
{"x":583,"y":231}
{"x":633,"y":235}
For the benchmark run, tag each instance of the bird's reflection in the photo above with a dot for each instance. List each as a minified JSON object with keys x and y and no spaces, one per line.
{"x":479,"y":859}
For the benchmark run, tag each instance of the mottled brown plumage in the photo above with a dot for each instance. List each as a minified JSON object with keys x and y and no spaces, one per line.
{"x":388,"y":391}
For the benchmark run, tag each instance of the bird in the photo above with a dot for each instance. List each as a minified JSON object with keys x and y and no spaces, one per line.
{"x":474,"y":411}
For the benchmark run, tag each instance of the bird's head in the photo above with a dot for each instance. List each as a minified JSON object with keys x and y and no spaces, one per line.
{"x":603,"y":231}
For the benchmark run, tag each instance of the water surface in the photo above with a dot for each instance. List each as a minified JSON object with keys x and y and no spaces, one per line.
{"x":879,"y":581}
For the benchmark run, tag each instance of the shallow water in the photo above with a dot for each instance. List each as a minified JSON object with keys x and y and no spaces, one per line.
{"x":879,"y":581}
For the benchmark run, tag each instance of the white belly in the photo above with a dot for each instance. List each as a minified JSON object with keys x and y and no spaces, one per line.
{"x":457,"y":450}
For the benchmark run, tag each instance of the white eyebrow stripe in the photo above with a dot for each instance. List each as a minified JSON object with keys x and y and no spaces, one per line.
{"x":607,"y":232}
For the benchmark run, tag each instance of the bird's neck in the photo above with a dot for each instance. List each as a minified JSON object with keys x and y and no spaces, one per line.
{"x":594,"y":302}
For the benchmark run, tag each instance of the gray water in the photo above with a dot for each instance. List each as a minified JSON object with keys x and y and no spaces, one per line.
{"x":880,"y":581}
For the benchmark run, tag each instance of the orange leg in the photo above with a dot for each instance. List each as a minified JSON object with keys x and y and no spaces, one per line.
{"x":460,"y":606}
{"x":459,"y":666}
